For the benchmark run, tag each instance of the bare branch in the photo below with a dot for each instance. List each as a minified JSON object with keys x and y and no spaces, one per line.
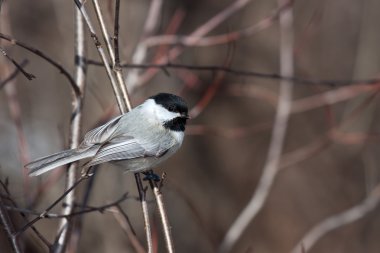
{"x":338,"y":220}
{"x":65,"y":225}
{"x":247,"y":73}
{"x":13,"y":74}
{"x":216,"y":39}
{"x":121,"y":97}
{"x":8,"y":227}
{"x":45,"y":57}
{"x":271,"y":166}
{"x":29,"y":76}
{"x":126,"y":225}
{"x":195,"y":35}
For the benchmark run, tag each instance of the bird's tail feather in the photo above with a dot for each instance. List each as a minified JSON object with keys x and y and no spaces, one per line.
{"x":50,"y":162}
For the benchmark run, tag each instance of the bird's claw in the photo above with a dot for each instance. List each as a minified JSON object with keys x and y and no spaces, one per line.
{"x":149,"y":175}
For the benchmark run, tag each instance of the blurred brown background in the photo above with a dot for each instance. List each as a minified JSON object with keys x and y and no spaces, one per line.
{"x":213,"y":176}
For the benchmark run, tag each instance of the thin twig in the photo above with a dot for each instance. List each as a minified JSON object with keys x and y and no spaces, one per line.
{"x":117,"y":71}
{"x":122,"y":100}
{"x":13,"y":74}
{"x":42,"y":215}
{"x":86,"y":209}
{"x":18,"y":66}
{"x":15,"y":207}
{"x":45,"y":57}
{"x":126,"y":225}
{"x":247,"y":73}
{"x":271,"y":166}
{"x":65,"y":225}
{"x":8,"y":227}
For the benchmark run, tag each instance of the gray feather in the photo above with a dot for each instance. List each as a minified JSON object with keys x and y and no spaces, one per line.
{"x":50,"y":162}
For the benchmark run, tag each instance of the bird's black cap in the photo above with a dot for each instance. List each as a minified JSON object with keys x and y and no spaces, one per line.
{"x":171,"y":102}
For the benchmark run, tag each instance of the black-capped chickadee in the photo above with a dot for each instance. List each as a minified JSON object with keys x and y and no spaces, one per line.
{"x":137,"y":140}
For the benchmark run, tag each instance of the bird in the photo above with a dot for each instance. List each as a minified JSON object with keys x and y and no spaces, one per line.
{"x":137,"y":141}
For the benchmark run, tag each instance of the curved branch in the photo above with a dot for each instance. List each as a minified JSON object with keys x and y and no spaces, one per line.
{"x":45,"y":57}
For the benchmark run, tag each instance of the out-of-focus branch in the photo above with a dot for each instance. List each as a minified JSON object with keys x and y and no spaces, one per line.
{"x":338,"y":220}
{"x":247,"y":73}
{"x":271,"y":166}
{"x":126,"y":225}
{"x":196,"y":35}
{"x":332,"y":97}
{"x":191,"y":41}
{"x":140,"y":52}
{"x":14,"y":106}
{"x":65,"y":225}
{"x":209,"y":93}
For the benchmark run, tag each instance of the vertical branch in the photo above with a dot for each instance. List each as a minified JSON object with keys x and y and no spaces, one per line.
{"x":116,"y":34}
{"x":164,"y":219}
{"x":76,"y":116}
{"x":117,"y":70}
{"x":123,"y":102}
{"x":283,"y":111}
{"x":141,"y":50}
{"x":122,"y":99}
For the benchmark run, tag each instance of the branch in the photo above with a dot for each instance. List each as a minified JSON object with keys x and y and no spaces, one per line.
{"x":126,"y":225}
{"x":336,"y":221}
{"x":271,"y":166}
{"x":18,"y":66}
{"x":196,"y":35}
{"x":122,"y":98}
{"x":216,"y":39}
{"x":65,"y":225}
{"x":45,"y":57}
{"x":13,"y":74}
{"x":8,"y":227}
{"x":247,"y":73}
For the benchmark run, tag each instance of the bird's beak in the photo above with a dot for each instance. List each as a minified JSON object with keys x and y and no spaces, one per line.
{"x":186,"y":116}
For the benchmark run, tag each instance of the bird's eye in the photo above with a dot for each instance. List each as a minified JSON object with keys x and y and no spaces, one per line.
{"x":171,"y":109}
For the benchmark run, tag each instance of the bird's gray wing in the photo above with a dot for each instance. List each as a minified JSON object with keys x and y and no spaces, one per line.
{"x":126,"y":147}
{"x":102,"y":133}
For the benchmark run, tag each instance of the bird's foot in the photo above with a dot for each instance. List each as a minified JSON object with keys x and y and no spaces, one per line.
{"x":150,"y":175}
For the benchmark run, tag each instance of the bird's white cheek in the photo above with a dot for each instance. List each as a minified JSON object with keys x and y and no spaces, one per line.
{"x":178,"y":136}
